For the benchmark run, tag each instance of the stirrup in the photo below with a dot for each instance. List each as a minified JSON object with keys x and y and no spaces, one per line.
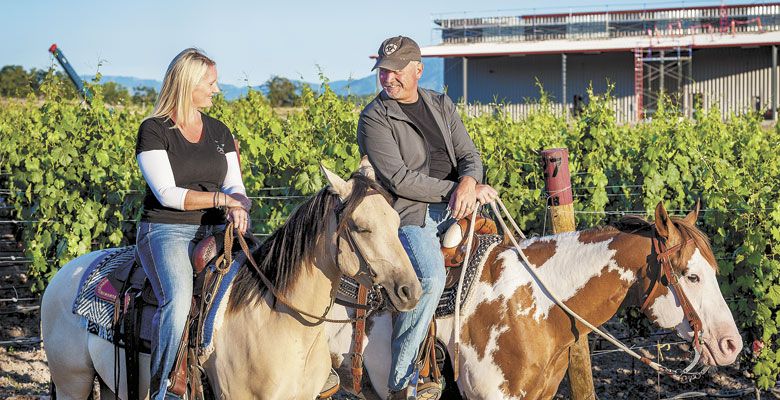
{"x":429,"y":391}
{"x":331,"y":386}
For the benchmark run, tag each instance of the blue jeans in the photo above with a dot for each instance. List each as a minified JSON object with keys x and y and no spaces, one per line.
{"x":411,"y":327}
{"x":164,"y":250}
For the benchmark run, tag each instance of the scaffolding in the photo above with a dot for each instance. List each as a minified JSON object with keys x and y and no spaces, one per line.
{"x":660,"y":73}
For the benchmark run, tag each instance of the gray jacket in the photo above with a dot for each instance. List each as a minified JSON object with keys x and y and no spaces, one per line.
{"x":400,"y":157}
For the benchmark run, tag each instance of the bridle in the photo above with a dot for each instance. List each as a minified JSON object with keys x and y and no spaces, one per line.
{"x":665,"y":270}
{"x":343,"y":232}
{"x":669,"y":278}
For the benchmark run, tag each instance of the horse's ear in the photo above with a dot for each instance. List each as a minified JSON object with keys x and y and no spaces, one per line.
{"x":338,"y":186}
{"x":366,"y":168}
{"x":664,"y":224}
{"x":693,"y":215}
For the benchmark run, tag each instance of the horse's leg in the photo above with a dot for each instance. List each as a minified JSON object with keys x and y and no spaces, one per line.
{"x":377,"y":353}
{"x":64,"y":335}
{"x":102,"y":352}
{"x":554,"y":375}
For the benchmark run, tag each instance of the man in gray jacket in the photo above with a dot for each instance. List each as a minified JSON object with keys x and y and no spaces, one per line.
{"x":423,"y":155}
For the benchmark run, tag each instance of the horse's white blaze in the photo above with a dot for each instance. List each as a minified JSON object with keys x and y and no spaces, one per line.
{"x":565,"y":273}
{"x":714,"y":313}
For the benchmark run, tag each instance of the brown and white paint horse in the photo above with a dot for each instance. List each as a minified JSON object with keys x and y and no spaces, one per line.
{"x":262,"y":348}
{"x":515,"y":339}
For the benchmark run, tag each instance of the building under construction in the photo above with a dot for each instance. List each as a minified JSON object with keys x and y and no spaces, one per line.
{"x":716,"y":56}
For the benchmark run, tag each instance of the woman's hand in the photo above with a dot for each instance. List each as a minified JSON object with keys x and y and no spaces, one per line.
{"x":239,"y":200}
{"x":240,"y":219}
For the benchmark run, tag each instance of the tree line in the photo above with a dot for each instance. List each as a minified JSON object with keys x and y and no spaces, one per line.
{"x":16,"y":82}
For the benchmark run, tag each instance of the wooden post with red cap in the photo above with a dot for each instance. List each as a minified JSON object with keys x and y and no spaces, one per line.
{"x":555,"y":163}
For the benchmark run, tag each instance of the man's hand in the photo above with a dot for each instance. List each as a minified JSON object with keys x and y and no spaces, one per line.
{"x":468,"y":194}
{"x":486,"y":194}
{"x":464,"y":198}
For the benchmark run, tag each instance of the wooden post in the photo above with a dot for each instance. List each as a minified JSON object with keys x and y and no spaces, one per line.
{"x":558,"y":186}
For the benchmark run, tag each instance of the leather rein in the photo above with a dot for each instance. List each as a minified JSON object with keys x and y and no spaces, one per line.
{"x":364,"y":275}
{"x":667,"y":277}
{"x":665,"y":270}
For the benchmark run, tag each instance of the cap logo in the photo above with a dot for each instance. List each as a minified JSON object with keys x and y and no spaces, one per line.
{"x":390,"y":48}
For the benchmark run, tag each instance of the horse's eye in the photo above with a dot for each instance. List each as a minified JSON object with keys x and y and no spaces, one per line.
{"x":362,"y":230}
{"x":693,"y":278}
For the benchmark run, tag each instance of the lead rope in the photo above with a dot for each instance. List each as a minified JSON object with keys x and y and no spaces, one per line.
{"x":684,"y":375}
{"x":456,"y":367}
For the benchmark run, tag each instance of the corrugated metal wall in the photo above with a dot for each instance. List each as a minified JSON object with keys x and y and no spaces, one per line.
{"x":732,"y":78}
{"x":514,"y":79}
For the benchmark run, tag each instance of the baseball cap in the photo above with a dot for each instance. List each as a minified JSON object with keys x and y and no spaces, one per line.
{"x":396,"y":52}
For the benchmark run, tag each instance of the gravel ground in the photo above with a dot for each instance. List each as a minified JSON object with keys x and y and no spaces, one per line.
{"x":24,"y":373}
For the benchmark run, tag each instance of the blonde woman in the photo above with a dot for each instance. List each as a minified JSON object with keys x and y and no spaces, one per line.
{"x":190,"y":165}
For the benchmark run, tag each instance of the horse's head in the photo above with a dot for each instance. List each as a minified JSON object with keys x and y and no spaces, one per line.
{"x":365,"y":237}
{"x":694,"y":267}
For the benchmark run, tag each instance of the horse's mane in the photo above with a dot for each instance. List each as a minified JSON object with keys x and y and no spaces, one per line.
{"x":635,"y":224}
{"x":283,"y":255}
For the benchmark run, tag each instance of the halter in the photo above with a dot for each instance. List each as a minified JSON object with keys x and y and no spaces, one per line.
{"x":672,"y":281}
{"x":365,"y":272}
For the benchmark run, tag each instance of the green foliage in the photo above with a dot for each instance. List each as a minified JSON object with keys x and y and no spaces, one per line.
{"x":144,"y":95}
{"x":282,"y":92}
{"x":72,"y":169}
{"x":114,"y":93}
{"x":15,"y":81}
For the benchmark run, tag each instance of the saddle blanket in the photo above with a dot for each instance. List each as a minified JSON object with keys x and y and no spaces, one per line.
{"x":98,"y":313}
{"x":485,"y":245}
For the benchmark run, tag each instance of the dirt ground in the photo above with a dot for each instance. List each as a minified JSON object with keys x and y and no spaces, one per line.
{"x":24,"y":374}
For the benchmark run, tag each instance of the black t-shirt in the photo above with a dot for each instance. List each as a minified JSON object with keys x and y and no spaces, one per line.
{"x":440,"y":166}
{"x":200,"y":166}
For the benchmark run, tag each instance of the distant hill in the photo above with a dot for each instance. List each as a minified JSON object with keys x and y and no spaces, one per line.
{"x":433,"y":78}
{"x":230,"y":91}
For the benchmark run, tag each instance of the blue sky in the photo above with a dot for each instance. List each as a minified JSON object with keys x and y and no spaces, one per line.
{"x":250,"y":40}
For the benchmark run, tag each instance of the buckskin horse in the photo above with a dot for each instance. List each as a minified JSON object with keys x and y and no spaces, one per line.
{"x":263,"y":349}
{"x":515,"y":340}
